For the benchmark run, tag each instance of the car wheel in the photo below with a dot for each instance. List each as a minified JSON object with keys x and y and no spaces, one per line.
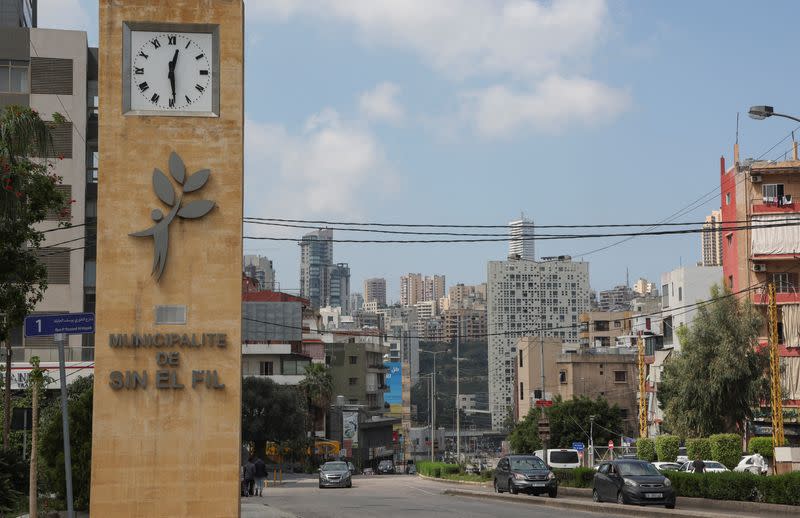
{"x":349,"y":483}
{"x":552,"y":493}
{"x":496,"y":487}
{"x":320,"y":486}
{"x":621,"y":498}
{"x":595,"y":496}
{"x":511,"y":488}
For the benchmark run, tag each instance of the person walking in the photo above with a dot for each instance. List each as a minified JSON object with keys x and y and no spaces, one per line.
{"x":250,"y":476}
{"x":261,"y":474}
{"x":698,"y":465}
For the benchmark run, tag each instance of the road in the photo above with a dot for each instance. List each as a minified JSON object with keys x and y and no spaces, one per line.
{"x":384,"y":497}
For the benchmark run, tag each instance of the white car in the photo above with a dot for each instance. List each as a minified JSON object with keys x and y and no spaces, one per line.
{"x":755,"y":464}
{"x":667,"y":466}
{"x":712,"y":466}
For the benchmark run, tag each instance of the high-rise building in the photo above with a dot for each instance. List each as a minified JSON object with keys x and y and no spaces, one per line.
{"x":712,"y":239}
{"x":261,"y":269}
{"x":521,"y":244}
{"x":433,"y":287}
{"x":644,"y":287}
{"x":526,"y":298}
{"x":616,"y":299}
{"x":316,"y":254}
{"x":356,"y":301}
{"x":337,"y":278}
{"x":55,"y":71}
{"x":375,"y":290}
{"x":411,"y":289}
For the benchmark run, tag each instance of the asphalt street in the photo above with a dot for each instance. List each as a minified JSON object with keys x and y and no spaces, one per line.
{"x":384,"y":497}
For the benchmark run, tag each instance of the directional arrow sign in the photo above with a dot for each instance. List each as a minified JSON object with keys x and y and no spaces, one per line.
{"x":67,"y":323}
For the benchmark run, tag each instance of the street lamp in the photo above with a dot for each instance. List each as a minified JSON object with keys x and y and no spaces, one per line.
{"x":762,"y":112}
{"x":433,"y":399}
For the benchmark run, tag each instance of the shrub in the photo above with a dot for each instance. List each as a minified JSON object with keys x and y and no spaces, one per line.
{"x":13,"y":480}
{"x":646,"y":449}
{"x":726,"y":448}
{"x":778,"y":489}
{"x":578,"y":477}
{"x":437,"y":469}
{"x":667,"y":447}
{"x":761,"y":445}
{"x":699,"y":447}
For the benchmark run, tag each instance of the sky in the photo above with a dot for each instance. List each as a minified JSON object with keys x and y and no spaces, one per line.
{"x":472,"y":111}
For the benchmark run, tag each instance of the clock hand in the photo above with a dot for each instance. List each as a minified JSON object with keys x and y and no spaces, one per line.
{"x":171,"y":73}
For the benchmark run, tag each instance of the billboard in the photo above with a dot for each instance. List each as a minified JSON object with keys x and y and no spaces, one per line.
{"x":350,"y":427}
{"x":394,"y":380}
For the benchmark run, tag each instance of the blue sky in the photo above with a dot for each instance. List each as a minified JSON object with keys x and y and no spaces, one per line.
{"x":469,"y":111}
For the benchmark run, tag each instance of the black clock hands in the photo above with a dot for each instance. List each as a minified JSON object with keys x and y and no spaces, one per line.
{"x":171,"y":74}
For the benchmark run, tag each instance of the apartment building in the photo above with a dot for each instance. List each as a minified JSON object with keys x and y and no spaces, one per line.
{"x":323,"y":282}
{"x":356,"y":364}
{"x":469,"y":324}
{"x":616,"y":299}
{"x":375,"y":291}
{"x":521,"y":244}
{"x":683,"y":287}
{"x":261,"y":269}
{"x":711,"y":239}
{"x":54,"y":71}
{"x":601,"y":328}
{"x":411,"y":289}
{"x":524,"y":298}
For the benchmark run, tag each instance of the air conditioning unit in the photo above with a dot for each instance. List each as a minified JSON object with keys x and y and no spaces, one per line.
{"x":756,"y":178}
{"x":757,"y":267}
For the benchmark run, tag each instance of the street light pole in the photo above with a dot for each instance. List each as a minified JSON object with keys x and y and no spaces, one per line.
{"x":458,"y":388}
{"x":433,"y":399}
{"x":591,"y":441}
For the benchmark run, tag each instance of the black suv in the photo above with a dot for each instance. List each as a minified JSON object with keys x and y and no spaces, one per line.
{"x":385,"y":467}
{"x":632,"y":482}
{"x":524,"y":474}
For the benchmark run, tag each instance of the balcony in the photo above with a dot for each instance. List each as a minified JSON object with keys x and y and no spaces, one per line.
{"x":790,"y":297}
{"x":266,"y":349}
{"x":281,"y":379}
{"x":775,"y":204}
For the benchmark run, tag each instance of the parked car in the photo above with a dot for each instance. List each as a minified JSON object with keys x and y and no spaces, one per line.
{"x":632,"y":482}
{"x":385,"y":467}
{"x":682,"y":456}
{"x":755,"y":464}
{"x":524,"y":474}
{"x":667,"y":466}
{"x":712,"y":466}
{"x":335,"y":474}
{"x":352,"y":468}
{"x":560,"y":458}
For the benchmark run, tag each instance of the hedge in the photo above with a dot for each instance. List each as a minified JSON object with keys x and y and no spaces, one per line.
{"x":646,"y":449}
{"x":577,"y":477}
{"x":698,"y":448}
{"x":437,"y":469}
{"x":729,"y":485}
{"x":726,"y":448}
{"x":667,"y":447}
{"x":761,"y":445}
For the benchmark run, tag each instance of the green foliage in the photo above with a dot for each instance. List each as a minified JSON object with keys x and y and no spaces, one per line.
{"x":646,"y":449}
{"x":436,"y":469}
{"x":761,"y":445}
{"x":13,"y":480}
{"x":698,"y":448}
{"x":524,"y":437}
{"x":777,"y":489}
{"x":712,"y":384}
{"x":667,"y":447}
{"x":272,"y":412}
{"x":726,"y":448}
{"x":51,"y":442}
{"x":578,"y":477}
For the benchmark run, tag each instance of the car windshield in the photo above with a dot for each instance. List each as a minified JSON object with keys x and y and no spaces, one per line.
{"x":633,"y":469}
{"x":334,"y":466}
{"x":714,"y":465}
{"x":563,"y":457}
{"x":527,"y":463}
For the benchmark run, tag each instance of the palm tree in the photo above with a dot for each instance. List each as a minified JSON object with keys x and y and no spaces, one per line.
{"x":318,"y":389}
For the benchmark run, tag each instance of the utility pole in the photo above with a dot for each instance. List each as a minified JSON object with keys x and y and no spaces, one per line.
{"x":642,"y":395}
{"x":433,"y":416}
{"x":541,"y":360}
{"x":776,"y":402}
{"x":591,"y":441}
{"x":458,"y":388}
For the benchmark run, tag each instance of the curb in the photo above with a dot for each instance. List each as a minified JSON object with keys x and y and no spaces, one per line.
{"x":607,"y":508}
{"x":460,"y":482}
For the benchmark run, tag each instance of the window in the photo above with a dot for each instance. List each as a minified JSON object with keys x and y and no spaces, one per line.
{"x":665,"y":295}
{"x":620,"y":376}
{"x":353,"y":360}
{"x":537,"y":394}
{"x":13,"y":76}
{"x":352,"y":381}
{"x":265,"y":368}
{"x":784,"y":282}
{"x":729,"y":239}
{"x":521,"y":390}
{"x":57,"y":261}
{"x":562,"y":377}
{"x":166,"y":315}
{"x":730,"y":281}
{"x":51,"y":76}
{"x":680,"y":293}
{"x":772,"y":193}
{"x":623,"y":413}
{"x":54,"y":215}
{"x":520,"y":357}
{"x":727,"y":198}
{"x":295,"y":367}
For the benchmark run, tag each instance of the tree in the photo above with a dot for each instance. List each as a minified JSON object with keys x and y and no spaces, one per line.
{"x":318,"y":389}
{"x":79,"y":411}
{"x":27,"y":195}
{"x":711,"y":385}
{"x":271,"y":413}
{"x":37,"y":380}
{"x":524,"y":437}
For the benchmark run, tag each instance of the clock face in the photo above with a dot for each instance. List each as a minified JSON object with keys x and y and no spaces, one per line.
{"x":171,"y":71}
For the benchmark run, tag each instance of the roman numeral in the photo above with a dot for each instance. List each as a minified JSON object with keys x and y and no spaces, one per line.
{"x":200,"y":56}
{"x":145,"y":56}
{"x":171,"y":102}
{"x":154,"y":98}
{"x":188,"y":100}
{"x":143,"y":86}
{"x":199,"y":88}
{"x":204,"y":72}
{"x":138,"y":71}
{"x":155,"y":43}
{"x":172,"y":40}
{"x":187,"y":45}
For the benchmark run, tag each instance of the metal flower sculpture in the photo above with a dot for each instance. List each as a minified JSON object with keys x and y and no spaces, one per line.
{"x":166,"y":193}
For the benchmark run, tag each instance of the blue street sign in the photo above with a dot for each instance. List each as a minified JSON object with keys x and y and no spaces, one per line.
{"x":577,"y":446}
{"x":67,"y":323}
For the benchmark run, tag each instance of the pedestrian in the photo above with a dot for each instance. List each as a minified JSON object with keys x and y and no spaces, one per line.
{"x":250,"y":476}
{"x":698,"y":465}
{"x":261,"y":474}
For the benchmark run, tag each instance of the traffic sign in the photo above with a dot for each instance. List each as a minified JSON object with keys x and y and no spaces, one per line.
{"x":610,"y":444}
{"x":577,"y":446}
{"x":544,"y":403}
{"x":66,"y":323}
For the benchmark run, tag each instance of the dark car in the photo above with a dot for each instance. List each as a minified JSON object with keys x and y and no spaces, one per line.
{"x":335,"y":474}
{"x":524,"y":474}
{"x":385,"y":467}
{"x":632,"y":482}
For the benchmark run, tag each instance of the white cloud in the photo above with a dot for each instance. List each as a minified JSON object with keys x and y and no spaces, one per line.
{"x":519,"y":38}
{"x":380,"y":104}
{"x":553,"y":105}
{"x":333,"y":167}
{"x":64,"y":14}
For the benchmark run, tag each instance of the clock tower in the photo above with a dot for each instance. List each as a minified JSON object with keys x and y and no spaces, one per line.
{"x":166,"y":435}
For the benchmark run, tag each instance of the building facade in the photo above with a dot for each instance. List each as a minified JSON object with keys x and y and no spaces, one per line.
{"x":616,"y":299}
{"x":601,"y":328}
{"x":531,"y":350}
{"x":469,"y":324}
{"x":337,"y":277}
{"x":18,"y":13}
{"x":359,"y":374}
{"x":375,"y":290}
{"x":680,"y":288}
{"x":711,"y":239}
{"x":529,"y":297}
{"x":521,"y":244}
{"x":433,"y":288}
{"x":261,"y":269}
{"x":316,"y":254}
